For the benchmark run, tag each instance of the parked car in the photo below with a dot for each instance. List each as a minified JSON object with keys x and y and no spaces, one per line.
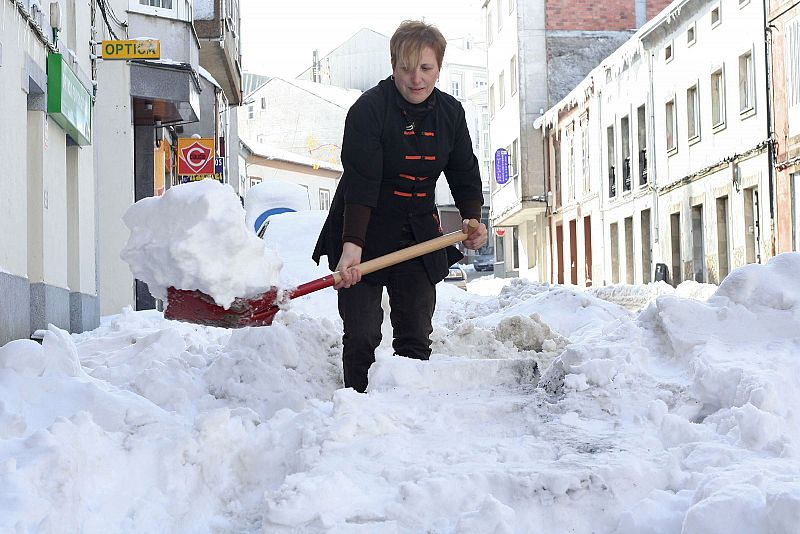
{"x":483,"y":262}
{"x":457,"y":276}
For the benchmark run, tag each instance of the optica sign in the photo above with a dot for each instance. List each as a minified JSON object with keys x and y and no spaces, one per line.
{"x":132,"y":49}
{"x":196,"y":155}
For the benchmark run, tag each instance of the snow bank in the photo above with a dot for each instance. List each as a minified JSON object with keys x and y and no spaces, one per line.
{"x":637,"y":297}
{"x":194,"y":237}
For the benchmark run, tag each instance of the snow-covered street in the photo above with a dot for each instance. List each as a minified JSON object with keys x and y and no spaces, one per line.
{"x":543,"y":409}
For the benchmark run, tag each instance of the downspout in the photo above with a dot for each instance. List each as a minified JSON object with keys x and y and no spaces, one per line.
{"x":547,"y":210}
{"x":770,"y":132}
{"x":651,"y":149}
{"x":602,"y":193}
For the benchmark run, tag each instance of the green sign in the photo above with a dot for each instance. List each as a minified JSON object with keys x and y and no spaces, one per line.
{"x":68,"y":102}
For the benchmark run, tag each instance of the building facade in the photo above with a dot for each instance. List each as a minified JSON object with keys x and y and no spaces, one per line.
{"x":538,"y":50}
{"x":358,"y":63}
{"x":676,"y":153}
{"x":784,"y":39}
{"x":48,"y":246}
{"x":298,"y":116}
{"x":145,"y":105}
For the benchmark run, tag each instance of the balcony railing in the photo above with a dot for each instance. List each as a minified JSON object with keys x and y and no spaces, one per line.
{"x":612,"y":182}
{"x":626,"y":174}
{"x":643,"y":166}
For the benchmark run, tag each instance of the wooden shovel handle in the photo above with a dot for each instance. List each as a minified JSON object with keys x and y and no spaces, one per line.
{"x":413,"y":251}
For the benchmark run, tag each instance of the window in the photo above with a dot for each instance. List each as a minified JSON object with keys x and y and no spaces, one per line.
{"x":641,"y":136}
{"x":263,"y":102}
{"x":612,"y":156}
{"x":671,"y":118}
{"x":513,"y":75}
{"x":791,"y":32}
{"x":513,"y":168}
{"x":692,"y":113}
{"x":668,"y":53}
{"x":499,"y":15}
{"x":716,"y":17}
{"x":556,"y":180}
{"x":489,"y":29}
{"x":501,"y":87}
{"x":457,"y":84}
{"x":479,"y":81}
{"x":163,"y":4}
{"x":691,"y":35}
{"x":491,"y":101}
{"x":178,"y":9}
{"x":584,"y":125}
{"x":718,"y":99}
{"x":251,"y":112}
{"x":625,"y":147}
{"x":747,"y":83}
{"x":569,"y":134}
{"x":324,"y":199}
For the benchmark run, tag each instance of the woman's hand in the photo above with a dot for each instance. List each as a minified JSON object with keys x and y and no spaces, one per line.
{"x":351,"y":257}
{"x":477,"y":238}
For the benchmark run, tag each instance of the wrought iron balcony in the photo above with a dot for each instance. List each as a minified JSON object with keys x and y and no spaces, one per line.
{"x":612,"y":182}
{"x":626,"y":174}
{"x":643,"y":166}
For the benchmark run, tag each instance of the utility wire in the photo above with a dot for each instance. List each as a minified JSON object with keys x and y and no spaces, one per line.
{"x":101,"y":5}
{"x":113,"y":15}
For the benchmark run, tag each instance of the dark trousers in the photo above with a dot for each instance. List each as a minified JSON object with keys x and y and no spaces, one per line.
{"x":412,"y":298}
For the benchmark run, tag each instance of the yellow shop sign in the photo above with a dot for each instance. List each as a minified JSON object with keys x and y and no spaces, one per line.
{"x":132,"y":49}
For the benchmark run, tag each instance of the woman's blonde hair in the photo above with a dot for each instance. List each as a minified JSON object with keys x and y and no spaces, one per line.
{"x":410,"y":38}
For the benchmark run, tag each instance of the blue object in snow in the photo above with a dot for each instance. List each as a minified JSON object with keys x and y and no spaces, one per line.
{"x":269,"y":213}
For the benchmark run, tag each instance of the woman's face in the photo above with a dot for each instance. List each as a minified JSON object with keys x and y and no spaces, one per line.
{"x":415,"y":85}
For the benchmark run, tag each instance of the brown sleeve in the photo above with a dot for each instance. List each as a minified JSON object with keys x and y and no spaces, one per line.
{"x":470,"y":209}
{"x":356,"y":219}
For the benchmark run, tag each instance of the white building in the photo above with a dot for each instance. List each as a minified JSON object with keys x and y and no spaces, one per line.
{"x":298,"y":116}
{"x":48,"y":268}
{"x":538,"y":50}
{"x":358,"y":63}
{"x":674,"y":163}
{"x":144,"y":106}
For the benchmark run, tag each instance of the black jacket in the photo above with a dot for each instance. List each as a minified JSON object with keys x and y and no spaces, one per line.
{"x":391,"y":164}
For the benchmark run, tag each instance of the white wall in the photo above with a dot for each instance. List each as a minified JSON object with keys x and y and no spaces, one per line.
{"x":114,"y":167}
{"x":13,"y":142}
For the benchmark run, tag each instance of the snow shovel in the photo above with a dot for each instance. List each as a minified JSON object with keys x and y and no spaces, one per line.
{"x":193,"y":306}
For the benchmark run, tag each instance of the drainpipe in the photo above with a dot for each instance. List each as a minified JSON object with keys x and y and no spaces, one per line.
{"x":603,"y":192}
{"x":770,"y":132}
{"x":651,"y":149}
{"x":547,"y":211}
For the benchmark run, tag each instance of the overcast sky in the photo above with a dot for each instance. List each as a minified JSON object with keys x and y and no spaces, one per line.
{"x":278,"y":38}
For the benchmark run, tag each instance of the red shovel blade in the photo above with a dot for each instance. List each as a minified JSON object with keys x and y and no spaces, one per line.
{"x":193,"y":306}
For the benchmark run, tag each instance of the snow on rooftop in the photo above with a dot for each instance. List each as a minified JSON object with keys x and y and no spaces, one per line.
{"x":272,"y":152}
{"x":343,"y":98}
